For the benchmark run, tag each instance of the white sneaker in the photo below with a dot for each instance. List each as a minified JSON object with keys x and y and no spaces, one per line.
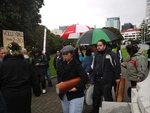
{"x":44,"y":91}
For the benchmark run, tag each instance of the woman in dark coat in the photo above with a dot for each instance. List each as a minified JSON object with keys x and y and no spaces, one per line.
{"x":72,"y":101}
{"x":16,"y":80}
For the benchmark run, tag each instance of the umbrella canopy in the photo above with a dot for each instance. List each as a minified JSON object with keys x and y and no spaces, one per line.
{"x":93,"y":36}
{"x":74,"y":31}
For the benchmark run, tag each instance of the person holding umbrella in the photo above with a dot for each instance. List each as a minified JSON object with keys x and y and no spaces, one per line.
{"x":107,"y":71}
{"x":78,"y":53}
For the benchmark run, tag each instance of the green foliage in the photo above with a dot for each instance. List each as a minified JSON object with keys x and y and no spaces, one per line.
{"x":53,"y":42}
{"x":19,"y":15}
{"x":145,"y":32}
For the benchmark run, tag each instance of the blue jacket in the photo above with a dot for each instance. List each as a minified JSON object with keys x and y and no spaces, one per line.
{"x":86,"y":63}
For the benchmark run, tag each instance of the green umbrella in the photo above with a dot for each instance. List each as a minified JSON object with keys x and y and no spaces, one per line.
{"x":93,"y":36}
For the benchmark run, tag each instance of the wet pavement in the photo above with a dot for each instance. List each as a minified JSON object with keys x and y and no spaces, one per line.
{"x":50,"y":103}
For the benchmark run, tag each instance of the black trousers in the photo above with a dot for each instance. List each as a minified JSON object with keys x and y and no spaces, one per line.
{"x":133,"y":84}
{"x":42,"y":80}
{"x":101,"y":89}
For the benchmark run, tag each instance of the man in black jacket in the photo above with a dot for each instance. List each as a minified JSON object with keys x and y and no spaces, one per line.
{"x":107,"y":72}
{"x":39,"y":63}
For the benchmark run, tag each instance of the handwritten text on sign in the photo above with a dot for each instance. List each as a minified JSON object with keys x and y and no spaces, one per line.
{"x":13,"y":36}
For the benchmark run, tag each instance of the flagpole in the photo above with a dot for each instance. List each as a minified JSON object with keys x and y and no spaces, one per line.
{"x":44,"y":42}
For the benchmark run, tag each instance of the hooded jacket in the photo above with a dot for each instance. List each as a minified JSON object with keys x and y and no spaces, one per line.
{"x":136,"y":66}
{"x":42,"y":60}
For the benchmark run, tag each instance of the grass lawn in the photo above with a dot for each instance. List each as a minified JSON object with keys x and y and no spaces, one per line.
{"x":52,"y":69}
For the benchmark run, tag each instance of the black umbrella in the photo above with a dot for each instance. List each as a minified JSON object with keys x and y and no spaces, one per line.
{"x":93,"y":36}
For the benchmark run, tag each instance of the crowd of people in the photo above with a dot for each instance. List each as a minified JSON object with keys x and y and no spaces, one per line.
{"x":99,"y":66}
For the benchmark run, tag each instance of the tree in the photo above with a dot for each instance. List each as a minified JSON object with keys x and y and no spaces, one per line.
{"x":144,"y":32}
{"x":53,"y":42}
{"x":20,"y":15}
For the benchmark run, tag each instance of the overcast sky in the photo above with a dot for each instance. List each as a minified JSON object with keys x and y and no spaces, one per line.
{"x":57,"y":13}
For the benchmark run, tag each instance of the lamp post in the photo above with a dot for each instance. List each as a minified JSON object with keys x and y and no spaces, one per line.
{"x":144,"y":34}
{"x":44,"y":41}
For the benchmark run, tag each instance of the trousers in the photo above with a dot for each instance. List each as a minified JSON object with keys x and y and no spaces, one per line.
{"x":101,"y":90}
{"x":72,"y":106}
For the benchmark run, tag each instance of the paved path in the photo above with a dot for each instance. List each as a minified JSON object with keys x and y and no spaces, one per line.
{"x":50,"y":103}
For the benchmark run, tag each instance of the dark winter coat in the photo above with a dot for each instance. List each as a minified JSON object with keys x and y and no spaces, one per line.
{"x":70,"y":71}
{"x":2,"y":102}
{"x":16,"y":80}
{"x":106,"y":66}
{"x":57,"y":62}
{"x":42,"y":60}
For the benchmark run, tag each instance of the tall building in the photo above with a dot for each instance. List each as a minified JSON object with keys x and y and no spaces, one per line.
{"x":62,"y":28}
{"x":57,"y":32}
{"x":127,"y":26}
{"x":148,"y":12}
{"x":113,"y":22}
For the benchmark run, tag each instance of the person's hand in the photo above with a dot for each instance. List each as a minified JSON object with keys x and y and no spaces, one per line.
{"x":117,"y":81}
{"x":123,"y":64}
{"x":73,"y":89}
{"x":37,"y":64}
{"x":138,"y":80}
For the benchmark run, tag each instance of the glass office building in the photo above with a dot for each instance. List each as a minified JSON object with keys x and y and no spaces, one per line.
{"x":113,"y":22}
{"x":148,"y":12}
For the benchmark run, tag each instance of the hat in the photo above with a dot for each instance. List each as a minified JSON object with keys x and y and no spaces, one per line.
{"x":67,"y":49}
{"x":36,"y":50}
